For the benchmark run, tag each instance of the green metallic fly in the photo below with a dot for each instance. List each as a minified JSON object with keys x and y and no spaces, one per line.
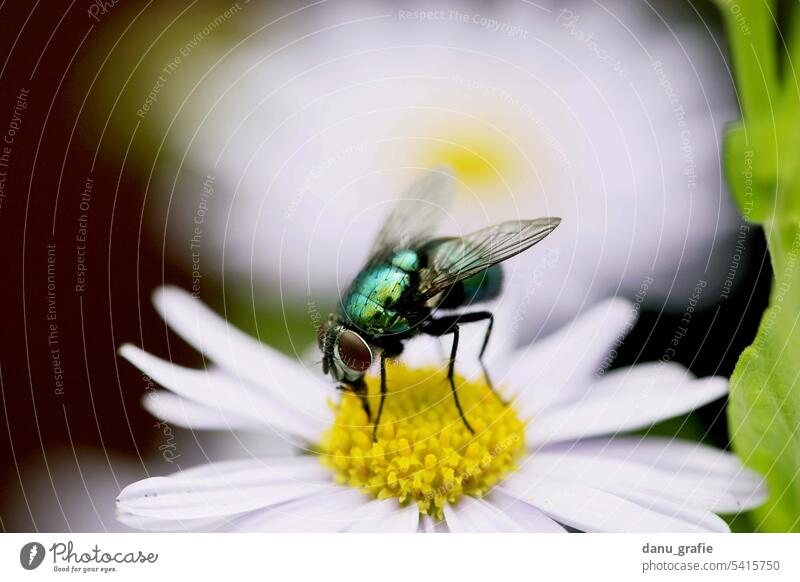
{"x":409,"y":277}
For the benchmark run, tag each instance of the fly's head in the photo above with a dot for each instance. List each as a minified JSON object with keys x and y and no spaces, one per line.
{"x":346,"y":355}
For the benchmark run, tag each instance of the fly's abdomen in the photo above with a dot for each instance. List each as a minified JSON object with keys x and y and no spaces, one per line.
{"x":482,"y":286}
{"x":371,"y":302}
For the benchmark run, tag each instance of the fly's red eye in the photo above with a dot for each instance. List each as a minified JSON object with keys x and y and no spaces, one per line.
{"x":322,"y":331}
{"x":354,"y":351}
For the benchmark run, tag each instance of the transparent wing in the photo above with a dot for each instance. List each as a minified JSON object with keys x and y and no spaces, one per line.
{"x":456,"y":259}
{"x":415,"y":215}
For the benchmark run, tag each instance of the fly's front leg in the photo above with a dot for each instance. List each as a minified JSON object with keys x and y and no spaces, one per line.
{"x":365,"y":405}
{"x":383,"y":398}
{"x":359,"y":390}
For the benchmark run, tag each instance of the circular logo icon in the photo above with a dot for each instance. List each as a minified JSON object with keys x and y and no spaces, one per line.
{"x":31,"y":555}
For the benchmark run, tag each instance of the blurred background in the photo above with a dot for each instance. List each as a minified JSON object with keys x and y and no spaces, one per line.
{"x":248,"y":151}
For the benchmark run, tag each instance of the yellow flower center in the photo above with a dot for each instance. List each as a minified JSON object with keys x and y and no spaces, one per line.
{"x":423,"y":453}
{"x":479,"y":160}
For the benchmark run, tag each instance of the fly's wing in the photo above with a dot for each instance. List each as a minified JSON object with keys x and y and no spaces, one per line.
{"x":456,"y":259}
{"x":415,"y":216}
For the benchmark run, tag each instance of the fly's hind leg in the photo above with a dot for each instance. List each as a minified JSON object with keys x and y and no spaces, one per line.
{"x":486,"y":337}
{"x":449,"y":324}
{"x":445,"y":326}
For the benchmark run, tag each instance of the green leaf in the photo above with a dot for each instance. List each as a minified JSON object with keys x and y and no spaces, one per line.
{"x":764,"y":408}
{"x":764,"y":175}
{"x":751,"y":32}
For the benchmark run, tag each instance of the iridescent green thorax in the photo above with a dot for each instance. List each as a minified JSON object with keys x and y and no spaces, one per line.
{"x":370,"y":304}
{"x":406,"y":260}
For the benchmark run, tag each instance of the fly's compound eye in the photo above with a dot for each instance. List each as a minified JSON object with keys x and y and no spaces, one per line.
{"x":354,"y":352}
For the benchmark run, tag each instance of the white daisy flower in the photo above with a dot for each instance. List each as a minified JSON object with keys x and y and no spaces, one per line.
{"x":549,"y":460}
{"x":604,"y":115}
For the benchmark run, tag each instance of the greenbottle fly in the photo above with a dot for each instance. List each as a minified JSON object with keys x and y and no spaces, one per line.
{"x":409,"y":277}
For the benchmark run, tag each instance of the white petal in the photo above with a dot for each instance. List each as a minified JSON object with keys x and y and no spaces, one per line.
{"x":623,"y":477}
{"x":663,"y":452}
{"x":567,"y":360}
{"x":157,"y":524}
{"x":218,"y":391}
{"x":525,"y":515}
{"x":210,"y":494}
{"x":624,"y":400}
{"x":429,"y":524}
{"x":185,"y":413}
{"x":243,"y":356}
{"x":683,"y":461}
{"x":701,"y":518}
{"x":385,"y":516}
{"x":472,"y":515}
{"x":327,"y":511}
{"x":593,"y":510}
{"x":426,"y":524}
{"x":267,"y":470}
{"x":424,"y":351}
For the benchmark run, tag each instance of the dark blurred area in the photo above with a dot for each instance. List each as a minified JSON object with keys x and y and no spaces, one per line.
{"x":79,"y":272}
{"x":79,"y":264}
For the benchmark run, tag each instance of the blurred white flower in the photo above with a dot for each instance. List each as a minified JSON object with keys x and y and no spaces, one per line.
{"x":601,"y":113}
{"x":550,"y":459}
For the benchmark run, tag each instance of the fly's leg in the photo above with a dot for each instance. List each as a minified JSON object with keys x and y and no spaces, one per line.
{"x":383,"y":398}
{"x":486,"y":337}
{"x":365,"y":405}
{"x":445,"y":326}
{"x":449,"y":324}
{"x":450,"y":376}
{"x":359,"y":390}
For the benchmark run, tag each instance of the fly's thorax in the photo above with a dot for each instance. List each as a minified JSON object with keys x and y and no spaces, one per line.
{"x":375,"y":300}
{"x":407,"y":260}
